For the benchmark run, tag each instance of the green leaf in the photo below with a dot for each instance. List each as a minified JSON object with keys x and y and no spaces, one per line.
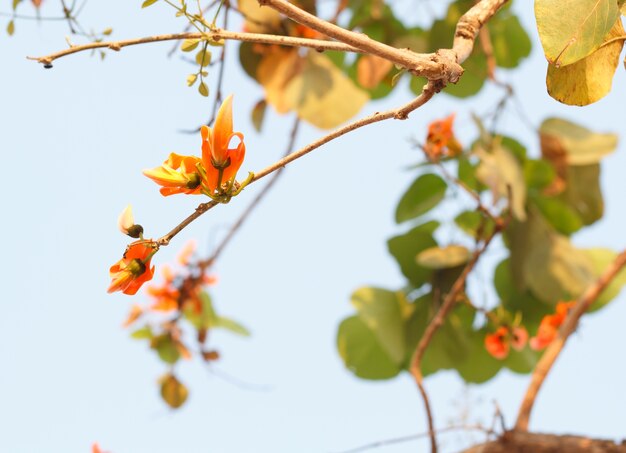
{"x":173,"y":392}
{"x":501,"y":171}
{"x":258,"y":114}
{"x":509,"y":40}
{"x":382,"y":312}
{"x":475,"y":224}
{"x":580,"y":145}
{"x":560,"y":215}
{"x":424,"y":194}
{"x":203,"y":89}
{"x":583,"y":193}
{"x":15,"y":3}
{"x":361,"y":351}
{"x":229,"y":324}
{"x":480,"y":366}
{"x":147,"y":3}
{"x":11,"y":28}
{"x":570,"y":32}
{"x":467,"y":174}
{"x":443,"y":257}
{"x":601,"y":259}
{"x":588,"y":80}
{"x":189,"y":44}
{"x":145,"y":333}
{"x":538,"y":174}
{"x":405,"y":248}
{"x":107,"y":31}
{"x":165,"y":348}
{"x":553,"y":269}
{"x":523,"y":361}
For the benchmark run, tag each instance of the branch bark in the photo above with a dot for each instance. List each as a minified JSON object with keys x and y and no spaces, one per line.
{"x":552,"y":352}
{"x":525,"y":442}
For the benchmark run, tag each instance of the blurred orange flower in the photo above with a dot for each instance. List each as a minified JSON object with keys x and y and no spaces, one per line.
{"x":498,"y":343}
{"x":221,"y":163}
{"x":441,"y":141}
{"x":133,"y":270}
{"x":549,"y":326}
{"x":178,"y":174}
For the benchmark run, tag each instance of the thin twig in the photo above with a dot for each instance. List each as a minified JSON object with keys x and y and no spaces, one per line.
{"x":399,"y":440}
{"x":400,"y":113}
{"x":255,"y":202}
{"x":552,"y":352}
{"x":447,"y":305}
{"x":215,"y":35}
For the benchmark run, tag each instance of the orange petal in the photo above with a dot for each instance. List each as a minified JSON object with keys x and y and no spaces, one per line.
{"x":222,"y":130}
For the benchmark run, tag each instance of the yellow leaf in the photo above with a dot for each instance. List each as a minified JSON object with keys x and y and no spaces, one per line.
{"x":590,"y":79}
{"x":173,"y":391}
{"x":261,"y":19}
{"x":572,"y":29}
{"x":312,"y":86}
{"x":371,"y":70}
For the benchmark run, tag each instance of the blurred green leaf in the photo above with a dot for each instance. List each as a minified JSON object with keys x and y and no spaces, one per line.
{"x":475,"y":224}
{"x":405,"y":248}
{"x":424,"y":194}
{"x":11,"y":28}
{"x":538,"y":174}
{"x":509,"y":40}
{"x":233,"y":326}
{"x":583,"y":193}
{"x":165,"y":348}
{"x":382,"y":312}
{"x":147,"y":3}
{"x":601,"y":259}
{"x":361,"y":351}
{"x":145,"y":333}
{"x":501,"y":171}
{"x":559,"y":214}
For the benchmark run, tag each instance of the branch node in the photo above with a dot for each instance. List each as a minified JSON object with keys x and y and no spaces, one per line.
{"x":115,"y":46}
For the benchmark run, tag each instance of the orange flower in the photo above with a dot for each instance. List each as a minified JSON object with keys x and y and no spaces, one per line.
{"x":441,"y":140}
{"x":135,"y":313}
{"x":133,"y":270}
{"x":221,"y":163}
{"x":167,"y":294}
{"x":178,"y":174}
{"x":95,"y":448}
{"x":126,"y":224}
{"x":549,"y":326}
{"x":498,"y":343}
{"x":186,"y":253}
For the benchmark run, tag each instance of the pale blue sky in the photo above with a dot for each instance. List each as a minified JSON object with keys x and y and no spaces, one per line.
{"x":75,"y":139}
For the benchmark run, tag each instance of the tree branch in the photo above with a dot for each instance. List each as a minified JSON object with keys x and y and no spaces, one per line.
{"x":215,"y":35}
{"x":552,"y":352}
{"x":402,"y":113}
{"x":523,"y":442}
{"x":449,"y":302}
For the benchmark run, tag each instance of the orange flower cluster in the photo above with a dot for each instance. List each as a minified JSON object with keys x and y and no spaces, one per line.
{"x":549,"y":326}
{"x":179,"y":291}
{"x":441,"y":141}
{"x":213,"y":174}
{"x":498,"y":343}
